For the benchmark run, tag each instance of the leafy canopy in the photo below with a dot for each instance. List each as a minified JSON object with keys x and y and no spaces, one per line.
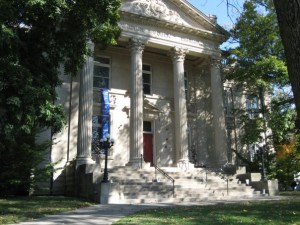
{"x":258,"y":65}
{"x":258,"y":60}
{"x":36,"y":38}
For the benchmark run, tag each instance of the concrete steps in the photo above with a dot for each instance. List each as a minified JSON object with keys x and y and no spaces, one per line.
{"x":144,"y":186}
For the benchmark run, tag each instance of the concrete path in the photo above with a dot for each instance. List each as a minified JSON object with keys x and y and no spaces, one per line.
{"x":107,"y":214}
{"x":99,"y":214}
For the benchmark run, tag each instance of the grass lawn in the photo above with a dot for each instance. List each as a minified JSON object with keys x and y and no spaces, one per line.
{"x":283,"y":212}
{"x":17,"y":209}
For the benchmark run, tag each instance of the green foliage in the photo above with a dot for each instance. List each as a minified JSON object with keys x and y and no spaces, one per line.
{"x":282,"y":118}
{"x":259,"y":59}
{"x":36,"y":38}
{"x":288,"y":162}
{"x":252,"y":129}
{"x":258,"y":63}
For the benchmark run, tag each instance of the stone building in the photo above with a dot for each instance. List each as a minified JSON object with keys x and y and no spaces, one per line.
{"x":158,"y":93}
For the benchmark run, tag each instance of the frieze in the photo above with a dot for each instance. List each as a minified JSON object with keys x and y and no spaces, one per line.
{"x":163,"y":35}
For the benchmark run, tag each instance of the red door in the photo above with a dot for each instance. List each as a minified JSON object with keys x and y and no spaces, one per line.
{"x":148,"y":148}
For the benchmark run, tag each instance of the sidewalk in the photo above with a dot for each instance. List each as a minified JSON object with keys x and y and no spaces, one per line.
{"x":107,"y":214}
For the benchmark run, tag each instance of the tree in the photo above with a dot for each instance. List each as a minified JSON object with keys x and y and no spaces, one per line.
{"x":36,"y":37}
{"x":258,"y":65}
{"x":288,"y":162}
{"x":258,"y":59}
{"x":288,"y":15}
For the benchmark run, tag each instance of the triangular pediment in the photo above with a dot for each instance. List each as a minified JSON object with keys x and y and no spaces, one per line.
{"x":150,"y":107}
{"x":178,"y":12}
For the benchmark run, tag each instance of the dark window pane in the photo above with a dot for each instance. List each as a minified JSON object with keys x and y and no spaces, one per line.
{"x":102,"y":60}
{"x":147,"y":89}
{"x":101,"y":77}
{"x":100,"y":71}
{"x":100,"y":82}
{"x":147,"y":126}
{"x":146,"y":78}
{"x":147,"y":67}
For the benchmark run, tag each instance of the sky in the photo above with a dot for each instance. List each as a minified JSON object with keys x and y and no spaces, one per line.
{"x":219,"y":8}
{"x":226,"y":16}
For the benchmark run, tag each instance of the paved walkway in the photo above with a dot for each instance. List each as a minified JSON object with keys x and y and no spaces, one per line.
{"x":107,"y":214}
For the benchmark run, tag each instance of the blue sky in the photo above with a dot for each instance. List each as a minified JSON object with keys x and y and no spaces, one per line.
{"x":225,"y":17}
{"x":219,"y":8}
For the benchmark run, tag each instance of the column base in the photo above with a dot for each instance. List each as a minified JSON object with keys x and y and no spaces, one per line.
{"x":185,"y":165}
{"x":83,"y":161}
{"x":135,"y":163}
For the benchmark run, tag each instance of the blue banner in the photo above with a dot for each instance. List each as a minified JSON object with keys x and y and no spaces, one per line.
{"x":105,"y":116}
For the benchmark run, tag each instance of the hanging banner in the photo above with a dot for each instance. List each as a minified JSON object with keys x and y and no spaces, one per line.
{"x":105,"y":116}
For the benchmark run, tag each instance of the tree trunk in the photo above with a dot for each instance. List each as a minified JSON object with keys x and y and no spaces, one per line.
{"x":288,"y":15}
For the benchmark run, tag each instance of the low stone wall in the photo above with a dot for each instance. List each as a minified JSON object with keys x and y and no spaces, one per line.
{"x":269,"y":187}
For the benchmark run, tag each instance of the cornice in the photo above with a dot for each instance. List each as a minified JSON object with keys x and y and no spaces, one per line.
{"x":140,"y":19}
{"x":208,"y":21}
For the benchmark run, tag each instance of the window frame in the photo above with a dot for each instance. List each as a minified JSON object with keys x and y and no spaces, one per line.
{"x":251,"y":101}
{"x":186,"y":86}
{"x":148,"y":72}
{"x":99,"y":64}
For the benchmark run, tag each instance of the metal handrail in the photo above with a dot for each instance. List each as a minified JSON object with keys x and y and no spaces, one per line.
{"x":166,"y":176}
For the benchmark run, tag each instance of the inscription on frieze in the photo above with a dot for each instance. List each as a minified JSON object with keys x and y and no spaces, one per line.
{"x":163,"y":35}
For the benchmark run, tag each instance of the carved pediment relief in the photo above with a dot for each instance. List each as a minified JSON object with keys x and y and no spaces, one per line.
{"x":165,"y":18}
{"x":158,"y":9}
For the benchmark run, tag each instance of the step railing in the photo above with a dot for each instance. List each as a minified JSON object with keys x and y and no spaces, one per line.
{"x":157,"y":169}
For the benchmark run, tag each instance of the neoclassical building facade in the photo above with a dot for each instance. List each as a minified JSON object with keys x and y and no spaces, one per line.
{"x":158,"y":93}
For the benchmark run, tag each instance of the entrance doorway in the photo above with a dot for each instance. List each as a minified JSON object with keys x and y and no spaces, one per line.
{"x":148,"y":142}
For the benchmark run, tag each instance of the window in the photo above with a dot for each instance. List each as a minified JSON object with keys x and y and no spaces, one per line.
{"x":96,"y":132}
{"x":101,"y":72}
{"x":228,"y":102}
{"x":252,"y":106}
{"x":147,"y":79}
{"x":186,"y":86}
{"x":147,"y":126}
{"x":101,"y":118}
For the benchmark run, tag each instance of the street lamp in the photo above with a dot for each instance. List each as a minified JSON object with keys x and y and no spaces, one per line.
{"x":105,"y":144}
{"x":261,"y":147}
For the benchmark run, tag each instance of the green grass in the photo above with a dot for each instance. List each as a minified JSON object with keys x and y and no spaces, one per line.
{"x":18,"y":209}
{"x":290,"y":193}
{"x":283,"y":212}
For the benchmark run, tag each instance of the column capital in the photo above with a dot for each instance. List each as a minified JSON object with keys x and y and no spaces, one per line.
{"x":178,"y":54}
{"x":215,"y":62}
{"x":137,"y":45}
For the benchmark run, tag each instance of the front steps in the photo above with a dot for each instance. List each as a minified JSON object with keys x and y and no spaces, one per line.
{"x":132,"y":186}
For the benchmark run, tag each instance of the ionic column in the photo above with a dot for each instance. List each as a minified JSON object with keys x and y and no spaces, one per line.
{"x":218,"y":155}
{"x":85,"y":111}
{"x":178,"y":56}
{"x":136,"y":102}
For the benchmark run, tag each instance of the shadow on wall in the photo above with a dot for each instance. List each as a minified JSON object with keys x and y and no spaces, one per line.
{"x":202,"y":128}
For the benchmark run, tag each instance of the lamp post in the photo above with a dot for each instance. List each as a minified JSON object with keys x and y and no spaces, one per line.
{"x":261,"y":147}
{"x":106,"y":143}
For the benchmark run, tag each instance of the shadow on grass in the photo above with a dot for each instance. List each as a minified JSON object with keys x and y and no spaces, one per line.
{"x":263,"y":212}
{"x":18,"y":209}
